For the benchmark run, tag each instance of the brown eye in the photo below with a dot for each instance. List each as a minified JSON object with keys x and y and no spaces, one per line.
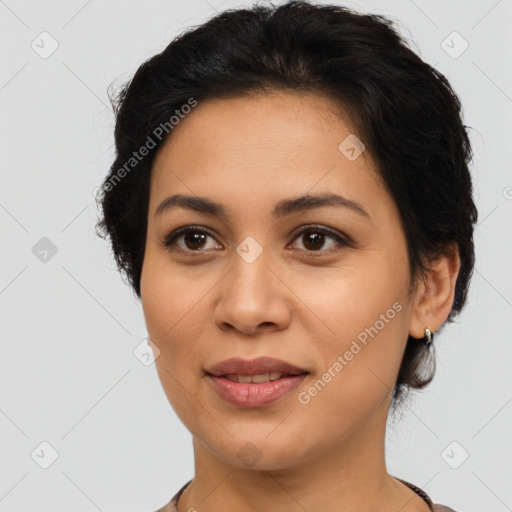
{"x":313,"y":241}
{"x":192,"y":239}
{"x":316,"y":239}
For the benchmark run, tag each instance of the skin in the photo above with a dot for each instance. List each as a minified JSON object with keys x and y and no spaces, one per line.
{"x":294,"y":302}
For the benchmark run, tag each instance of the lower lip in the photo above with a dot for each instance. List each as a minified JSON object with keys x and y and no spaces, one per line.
{"x":254,"y":394}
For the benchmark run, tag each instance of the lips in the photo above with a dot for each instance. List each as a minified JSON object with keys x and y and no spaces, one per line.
{"x":256,"y":366}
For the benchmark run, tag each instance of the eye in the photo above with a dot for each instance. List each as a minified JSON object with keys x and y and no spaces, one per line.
{"x":194,"y":240}
{"x":314,"y":239}
{"x":193,"y":237}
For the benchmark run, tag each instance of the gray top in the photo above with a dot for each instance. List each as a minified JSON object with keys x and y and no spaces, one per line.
{"x":172,"y":506}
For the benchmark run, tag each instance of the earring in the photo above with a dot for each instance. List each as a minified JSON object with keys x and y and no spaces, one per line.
{"x":429,"y":337}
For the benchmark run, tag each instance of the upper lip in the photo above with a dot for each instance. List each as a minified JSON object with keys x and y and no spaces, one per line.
{"x":238,"y":366}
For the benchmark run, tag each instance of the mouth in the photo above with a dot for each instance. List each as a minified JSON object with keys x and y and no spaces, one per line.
{"x":254,"y":383}
{"x":259,"y":378}
{"x":261,"y":369}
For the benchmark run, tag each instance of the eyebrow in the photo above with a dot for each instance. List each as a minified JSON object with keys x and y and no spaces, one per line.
{"x":281,"y":209}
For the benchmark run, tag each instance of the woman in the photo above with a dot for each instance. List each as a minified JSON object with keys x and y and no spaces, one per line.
{"x":291,"y":202}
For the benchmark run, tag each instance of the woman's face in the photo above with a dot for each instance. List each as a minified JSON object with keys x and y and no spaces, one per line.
{"x":331,"y":299}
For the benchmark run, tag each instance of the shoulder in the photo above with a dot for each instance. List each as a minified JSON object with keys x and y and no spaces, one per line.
{"x":172,"y":506}
{"x":434,"y":507}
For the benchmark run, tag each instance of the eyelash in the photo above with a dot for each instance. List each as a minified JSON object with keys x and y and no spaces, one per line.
{"x":346,"y":241}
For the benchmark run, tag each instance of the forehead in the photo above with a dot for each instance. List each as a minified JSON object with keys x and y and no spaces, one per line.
{"x":259,"y":122}
{"x":271,"y":144}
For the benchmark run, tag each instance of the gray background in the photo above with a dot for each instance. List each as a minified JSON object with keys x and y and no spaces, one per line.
{"x":68,"y":375}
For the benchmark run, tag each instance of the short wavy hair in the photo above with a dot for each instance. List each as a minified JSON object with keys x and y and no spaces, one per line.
{"x":403,"y":109}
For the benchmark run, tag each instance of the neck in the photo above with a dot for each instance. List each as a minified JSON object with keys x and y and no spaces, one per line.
{"x":351,"y":476}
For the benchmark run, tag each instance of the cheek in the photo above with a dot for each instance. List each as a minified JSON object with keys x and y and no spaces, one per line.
{"x":173,"y":324}
{"x":350,"y":299}
{"x":175,"y":310}
{"x":360,"y":361}
{"x":363,"y":310}
{"x":167,"y":296}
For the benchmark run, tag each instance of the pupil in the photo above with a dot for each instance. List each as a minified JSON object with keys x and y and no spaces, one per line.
{"x":197,"y":238}
{"x":318,"y":240}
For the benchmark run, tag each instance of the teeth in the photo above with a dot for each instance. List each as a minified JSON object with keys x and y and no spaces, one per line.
{"x":258,"y":379}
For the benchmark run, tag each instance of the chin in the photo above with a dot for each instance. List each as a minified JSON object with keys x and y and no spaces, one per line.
{"x":258,"y":452}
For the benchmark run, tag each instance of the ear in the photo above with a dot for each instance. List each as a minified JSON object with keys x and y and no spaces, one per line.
{"x":435,"y":293}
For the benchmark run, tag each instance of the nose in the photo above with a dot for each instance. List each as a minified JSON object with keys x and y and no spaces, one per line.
{"x":253,"y":298}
